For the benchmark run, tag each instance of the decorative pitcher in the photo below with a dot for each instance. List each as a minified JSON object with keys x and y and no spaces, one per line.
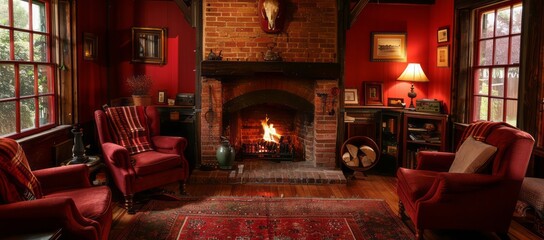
{"x":225,"y":154}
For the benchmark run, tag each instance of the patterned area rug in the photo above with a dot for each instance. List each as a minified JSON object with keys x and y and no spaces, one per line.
{"x":266,"y":218}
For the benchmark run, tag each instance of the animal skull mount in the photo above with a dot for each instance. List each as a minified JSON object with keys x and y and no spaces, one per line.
{"x":271,"y":15}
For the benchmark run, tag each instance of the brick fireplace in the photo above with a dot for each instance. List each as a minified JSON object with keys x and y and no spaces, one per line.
{"x":297,"y":94}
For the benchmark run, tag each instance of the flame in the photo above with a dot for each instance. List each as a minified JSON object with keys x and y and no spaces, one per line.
{"x":269,"y":131}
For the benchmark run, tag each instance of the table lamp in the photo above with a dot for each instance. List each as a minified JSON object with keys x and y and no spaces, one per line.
{"x":413,"y":73}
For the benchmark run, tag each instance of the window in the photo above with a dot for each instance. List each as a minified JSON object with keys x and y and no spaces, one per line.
{"x":496,"y":66}
{"x":27,"y":85}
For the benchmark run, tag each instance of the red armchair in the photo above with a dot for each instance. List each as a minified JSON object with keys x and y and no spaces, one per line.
{"x":161,"y":162}
{"x":434,"y":198}
{"x":66,"y":200}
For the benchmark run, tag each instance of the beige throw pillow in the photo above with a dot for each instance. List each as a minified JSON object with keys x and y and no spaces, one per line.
{"x":471,"y":156}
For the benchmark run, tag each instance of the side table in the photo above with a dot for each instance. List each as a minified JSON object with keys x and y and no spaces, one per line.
{"x":95,"y":165}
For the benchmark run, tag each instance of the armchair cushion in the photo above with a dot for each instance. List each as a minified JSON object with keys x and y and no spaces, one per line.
{"x":91,"y":202}
{"x":130,"y":126}
{"x":17,"y":181}
{"x":471,"y":156}
{"x":153,"y":162}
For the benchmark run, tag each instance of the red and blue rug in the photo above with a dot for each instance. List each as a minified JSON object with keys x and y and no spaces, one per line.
{"x":266,"y":218}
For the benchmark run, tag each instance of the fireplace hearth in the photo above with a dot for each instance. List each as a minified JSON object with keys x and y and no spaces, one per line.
{"x":292,"y":105}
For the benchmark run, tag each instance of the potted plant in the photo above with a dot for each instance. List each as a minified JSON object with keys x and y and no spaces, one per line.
{"x":140,"y":85}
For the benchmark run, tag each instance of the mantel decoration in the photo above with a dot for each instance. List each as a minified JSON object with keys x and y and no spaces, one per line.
{"x":271,"y":15}
{"x":140,"y":85}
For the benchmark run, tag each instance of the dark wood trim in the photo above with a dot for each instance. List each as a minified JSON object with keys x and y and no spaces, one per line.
{"x":343,"y":21}
{"x":197,"y":10}
{"x":404,"y":1}
{"x":531,"y":76}
{"x":472,"y":4}
{"x":325,"y":71}
{"x":188,"y":12}
{"x":355,"y":11}
{"x":461,"y":77}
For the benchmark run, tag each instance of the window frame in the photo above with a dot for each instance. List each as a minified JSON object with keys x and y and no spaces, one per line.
{"x":48,"y":62}
{"x":476,"y":66}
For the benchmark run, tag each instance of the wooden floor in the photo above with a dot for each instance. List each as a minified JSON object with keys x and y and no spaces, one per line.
{"x":373,"y":187}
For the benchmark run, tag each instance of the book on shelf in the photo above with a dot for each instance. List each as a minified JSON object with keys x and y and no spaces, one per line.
{"x":416,"y":129}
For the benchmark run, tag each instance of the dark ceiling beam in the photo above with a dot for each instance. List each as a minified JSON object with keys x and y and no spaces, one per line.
{"x":185,"y":6}
{"x":356,"y":10}
{"x":404,"y":1}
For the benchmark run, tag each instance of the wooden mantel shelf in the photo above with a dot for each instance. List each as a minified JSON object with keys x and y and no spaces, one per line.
{"x":225,"y":69}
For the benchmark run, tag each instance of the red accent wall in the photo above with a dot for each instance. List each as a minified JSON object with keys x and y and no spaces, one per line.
{"x":91,"y":74}
{"x":420,"y":22}
{"x":441,"y":15}
{"x":178,"y":74}
{"x":108,"y":72}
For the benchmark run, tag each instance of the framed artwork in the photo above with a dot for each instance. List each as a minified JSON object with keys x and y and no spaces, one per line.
{"x":90,"y":46}
{"x":388,"y":47}
{"x":443,"y":35}
{"x":350,"y":96}
{"x":161,"y":96}
{"x":148,"y":45}
{"x":442,"y":56}
{"x":395,"y":102}
{"x":373,"y":93}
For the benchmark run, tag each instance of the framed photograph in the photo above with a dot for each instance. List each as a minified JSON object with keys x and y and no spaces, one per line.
{"x":90,"y":46}
{"x":350,"y":96}
{"x":388,"y":47}
{"x":161,"y":96}
{"x":443,"y":35}
{"x":395,"y":102}
{"x":148,"y":45}
{"x":442,"y":56}
{"x":373,"y":93}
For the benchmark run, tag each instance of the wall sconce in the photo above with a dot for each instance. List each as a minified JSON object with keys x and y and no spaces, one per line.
{"x":413,"y":73}
{"x":90,"y":48}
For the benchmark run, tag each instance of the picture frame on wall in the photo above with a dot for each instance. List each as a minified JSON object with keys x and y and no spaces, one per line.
{"x":373,"y":93}
{"x":442,"y":35}
{"x":350,"y":96}
{"x":388,"y":47}
{"x":442,"y":56}
{"x":149,"y":45}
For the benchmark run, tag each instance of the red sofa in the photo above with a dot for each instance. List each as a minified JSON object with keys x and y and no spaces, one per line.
{"x":433,"y":198}
{"x":67,"y":202}
{"x":146,"y":170}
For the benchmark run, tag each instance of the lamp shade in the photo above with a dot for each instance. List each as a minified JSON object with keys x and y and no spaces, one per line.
{"x":413,"y":73}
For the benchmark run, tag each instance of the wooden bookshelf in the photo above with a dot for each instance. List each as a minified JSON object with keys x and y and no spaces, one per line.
{"x":422,"y":132}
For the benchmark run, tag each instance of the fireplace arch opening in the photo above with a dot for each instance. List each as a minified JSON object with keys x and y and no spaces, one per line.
{"x":269,"y":124}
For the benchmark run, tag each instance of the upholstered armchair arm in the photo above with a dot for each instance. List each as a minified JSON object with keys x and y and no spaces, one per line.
{"x":468,"y":197}
{"x":462,"y":185}
{"x":117,"y":155}
{"x":65,"y":177}
{"x":168,"y":144}
{"x":467,"y":182}
{"x":434,"y":161}
{"x":47,"y":214}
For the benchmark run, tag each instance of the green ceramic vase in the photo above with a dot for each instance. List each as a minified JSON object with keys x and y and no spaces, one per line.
{"x":225,"y":155}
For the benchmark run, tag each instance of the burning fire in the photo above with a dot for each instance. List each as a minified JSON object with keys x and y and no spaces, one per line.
{"x":269,"y":131}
